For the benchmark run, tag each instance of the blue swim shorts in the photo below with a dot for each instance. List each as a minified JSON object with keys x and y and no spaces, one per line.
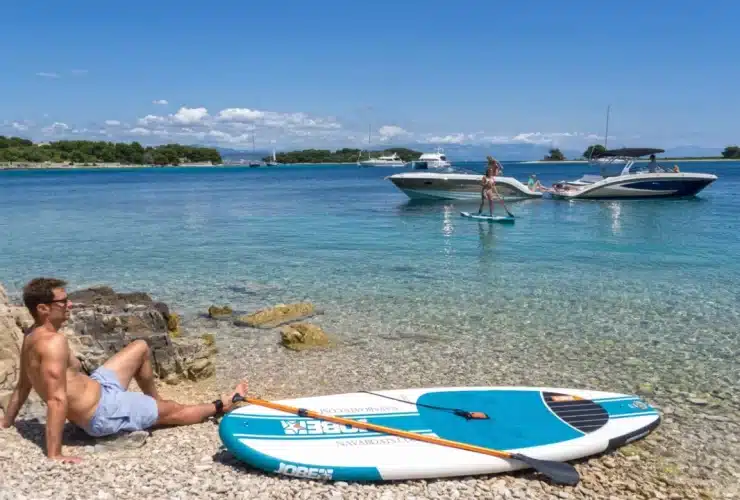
{"x":118,"y":409}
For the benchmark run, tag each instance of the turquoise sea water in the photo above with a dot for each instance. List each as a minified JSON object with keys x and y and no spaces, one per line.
{"x":345,"y":238}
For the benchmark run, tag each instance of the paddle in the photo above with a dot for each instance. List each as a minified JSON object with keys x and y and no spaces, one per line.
{"x":502,"y":201}
{"x":558,"y":472}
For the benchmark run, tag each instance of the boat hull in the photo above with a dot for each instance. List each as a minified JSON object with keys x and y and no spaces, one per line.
{"x":460,"y":187}
{"x":642,"y":186}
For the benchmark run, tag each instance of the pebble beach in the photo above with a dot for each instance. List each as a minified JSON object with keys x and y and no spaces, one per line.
{"x":190,"y":462}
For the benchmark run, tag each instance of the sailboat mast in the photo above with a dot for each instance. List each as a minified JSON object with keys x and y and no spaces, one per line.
{"x":606,"y":135}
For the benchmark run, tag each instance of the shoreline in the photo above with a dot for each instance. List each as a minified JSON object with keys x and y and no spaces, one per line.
{"x":122,"y":166}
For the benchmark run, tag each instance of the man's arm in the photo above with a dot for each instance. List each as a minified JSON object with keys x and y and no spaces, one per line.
{"x":20,"y":394}
{"x":54,"y":361}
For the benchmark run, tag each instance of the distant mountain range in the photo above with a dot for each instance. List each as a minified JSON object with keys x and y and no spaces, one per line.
{"x":474,"y":152}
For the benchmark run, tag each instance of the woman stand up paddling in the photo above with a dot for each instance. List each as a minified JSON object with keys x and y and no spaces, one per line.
{"x":488,"y":183}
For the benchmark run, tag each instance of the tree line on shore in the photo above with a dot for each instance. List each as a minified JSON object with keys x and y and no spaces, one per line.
{"x":16,"y":149}
{"x":345,"y":155}
{"x":730,"y":152}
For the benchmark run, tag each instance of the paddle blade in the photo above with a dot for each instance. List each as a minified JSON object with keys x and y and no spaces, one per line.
{"x":558,"y":472}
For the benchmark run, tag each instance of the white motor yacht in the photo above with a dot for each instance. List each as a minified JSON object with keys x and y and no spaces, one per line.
{"x":631,"y":181}
{"x":434,"y":160}
{"x":383,"y":161}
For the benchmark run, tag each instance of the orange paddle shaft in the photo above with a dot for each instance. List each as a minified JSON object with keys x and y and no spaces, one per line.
{"x":379,"y":428}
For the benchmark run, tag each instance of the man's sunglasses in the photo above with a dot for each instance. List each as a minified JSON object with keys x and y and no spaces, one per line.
{"x":64,"y":301}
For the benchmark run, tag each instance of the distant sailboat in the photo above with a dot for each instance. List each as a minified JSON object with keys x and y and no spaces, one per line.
{"x":273,"y":162}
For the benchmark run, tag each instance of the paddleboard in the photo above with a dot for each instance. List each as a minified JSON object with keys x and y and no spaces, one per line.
{"x":543,"y":423}
{"x":495,"y":218}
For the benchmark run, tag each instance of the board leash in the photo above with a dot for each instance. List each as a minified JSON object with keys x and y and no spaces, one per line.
{"x":467,"y":415}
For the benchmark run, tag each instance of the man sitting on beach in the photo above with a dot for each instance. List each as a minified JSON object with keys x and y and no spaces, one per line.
{"x":99,"y":404}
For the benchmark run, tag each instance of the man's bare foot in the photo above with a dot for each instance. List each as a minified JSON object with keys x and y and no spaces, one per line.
{"x":67,"y":460}
{"x":228,"y":400}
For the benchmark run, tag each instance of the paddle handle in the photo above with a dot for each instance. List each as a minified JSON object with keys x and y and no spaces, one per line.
{"x":373,"y":427}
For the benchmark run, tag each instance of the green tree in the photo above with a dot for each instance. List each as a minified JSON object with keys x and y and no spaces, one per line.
{"x":731,"y":152}
{"x":594,"y":150}
{"x":555,"y":155}
{"x":15,"y":149}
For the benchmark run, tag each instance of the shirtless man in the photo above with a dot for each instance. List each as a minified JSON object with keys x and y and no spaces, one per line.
{"x":99,"y":404}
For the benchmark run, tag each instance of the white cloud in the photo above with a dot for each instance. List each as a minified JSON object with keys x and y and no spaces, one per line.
{"x":388,"y":132}
{"x":239,"y":126}
{"x":79,"y":72}
{"x":240,"y":115}
{"x":458,"y":138}
{"x":47,"y":74}
{"x":139,"y":131}
{"x":151,"y":120}
{"x":187,"y":116}
{"x":162,"y":102}
{"x":56,"y":128}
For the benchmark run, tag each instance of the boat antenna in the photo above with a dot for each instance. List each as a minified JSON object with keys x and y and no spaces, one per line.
{"x":606,"y":134}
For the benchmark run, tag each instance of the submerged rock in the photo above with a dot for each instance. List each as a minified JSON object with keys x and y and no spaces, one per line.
{"x":278,"y":315}
{"x":220,"y":312}
{"x":299,"y":336}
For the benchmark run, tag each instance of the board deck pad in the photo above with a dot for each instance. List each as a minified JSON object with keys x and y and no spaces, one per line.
{"x":489,"y":218}
{"x":544,"y":423}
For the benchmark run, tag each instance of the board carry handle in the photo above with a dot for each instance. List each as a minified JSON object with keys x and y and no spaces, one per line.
{"x":558,"y":472}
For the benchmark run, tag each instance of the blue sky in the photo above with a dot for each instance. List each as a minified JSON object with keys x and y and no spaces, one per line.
{"x":317,"y":74}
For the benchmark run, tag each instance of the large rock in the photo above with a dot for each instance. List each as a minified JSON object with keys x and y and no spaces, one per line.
{"x":103,"y":322}
{"x":300,"y":336}
{"x":281,"y":314}
{"x":13,"y":321}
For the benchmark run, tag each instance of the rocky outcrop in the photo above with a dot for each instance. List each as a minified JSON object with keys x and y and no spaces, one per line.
{"x":13,"y":321}
{"x":281,"y":314}
{"x":103,"y":322}
{"x":301,"y":336}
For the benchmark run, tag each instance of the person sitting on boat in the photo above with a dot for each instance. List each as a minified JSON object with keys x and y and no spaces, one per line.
{"x":653,"y":166}
{"x":498,"y":168}
{"x":534,"y":184}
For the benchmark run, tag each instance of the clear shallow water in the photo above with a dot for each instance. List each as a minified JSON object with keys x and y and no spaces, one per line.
{"x":348,"y":240}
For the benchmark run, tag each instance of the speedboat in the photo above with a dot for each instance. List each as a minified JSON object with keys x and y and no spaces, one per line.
{"x":457,"y":185}
{"x":434,"y":160}
{"x":631,"y":181}
{"x":383,"y":161}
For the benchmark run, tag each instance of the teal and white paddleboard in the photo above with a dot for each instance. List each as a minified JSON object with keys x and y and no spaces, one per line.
{"x":543,"y":423}
{"x":488,"y":218}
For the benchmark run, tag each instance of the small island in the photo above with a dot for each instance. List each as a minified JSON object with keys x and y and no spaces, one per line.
{"x":557,"y":156}
{"x":345,"y":155}
{"x":16,"y":152}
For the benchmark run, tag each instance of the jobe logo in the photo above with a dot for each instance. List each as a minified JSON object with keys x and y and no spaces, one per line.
{"x":313,"y":427}
{"x":307,"y":472}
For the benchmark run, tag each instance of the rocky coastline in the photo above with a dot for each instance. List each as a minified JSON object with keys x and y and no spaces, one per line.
{"x":284,"y":351}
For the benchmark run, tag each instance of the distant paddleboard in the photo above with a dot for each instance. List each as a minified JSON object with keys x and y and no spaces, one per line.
{"x":543,"y":423}
{"x":495,"y":218}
